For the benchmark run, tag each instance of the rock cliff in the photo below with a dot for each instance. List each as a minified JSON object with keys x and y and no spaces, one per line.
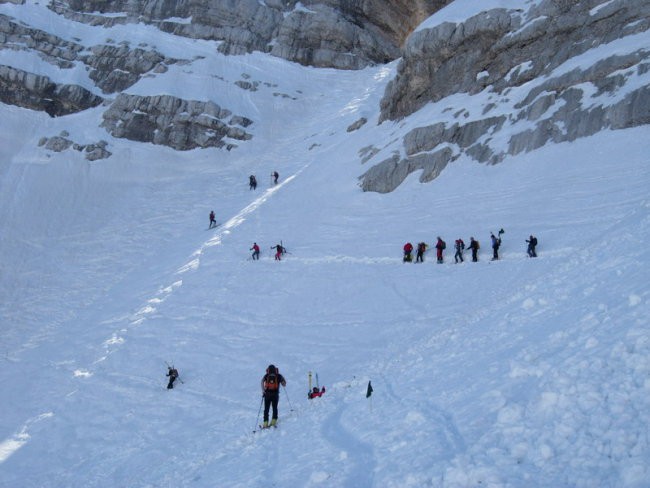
{"x":527,"y":61}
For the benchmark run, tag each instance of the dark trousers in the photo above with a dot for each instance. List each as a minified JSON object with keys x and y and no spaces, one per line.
{"x":458,"y":256}
{"x":531,"y":252}
{"x":495,"y":253}
{"x":474,"y":255}
{"x":419,"y":258}
{"x":271,"y":400}
{"x":170,"y":385}
{"x":256,"y":255}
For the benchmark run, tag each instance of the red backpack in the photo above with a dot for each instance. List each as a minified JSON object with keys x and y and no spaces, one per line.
{"x":272,"y":379}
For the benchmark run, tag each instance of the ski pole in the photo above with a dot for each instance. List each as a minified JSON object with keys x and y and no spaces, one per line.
{"x":289,"y":401}
{"x":257,"y":421}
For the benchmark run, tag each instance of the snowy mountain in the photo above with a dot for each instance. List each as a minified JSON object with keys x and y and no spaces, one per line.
{"x":519,"y":372}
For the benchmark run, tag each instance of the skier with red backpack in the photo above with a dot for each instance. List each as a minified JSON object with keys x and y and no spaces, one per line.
{"x":271,"y":383}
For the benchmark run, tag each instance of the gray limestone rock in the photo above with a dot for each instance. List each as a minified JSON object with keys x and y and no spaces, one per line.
{"x":173,"y":122}
{"x":501,"y":50}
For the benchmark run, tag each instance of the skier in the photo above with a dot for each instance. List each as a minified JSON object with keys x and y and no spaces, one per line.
{"x":419,"y":257}
{"x":440,"y":246}
{"x":408,"y":249}
{"x":532,"y":243}
{"x":213,"y":222}
{"x":275,"y":176}
{"x":460,"y":247}
{"x":173,"y":374}
{"x":279,"y":251}
{"x":474,"y":246}
{"x":256,"y":251}
{"x":252,"y":182}
{"x":316,"y":393}
{"x":496,"y":243}
{"x":271,"y":382}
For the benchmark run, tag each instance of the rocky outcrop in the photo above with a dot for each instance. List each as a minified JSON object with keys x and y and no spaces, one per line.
{"x":113,"y":68}
{"x":61,"y":143}
{"x":323,"y":33}
{"x":36,"y":92}
{"x":173,"y":122}
{"x":520,"y":58}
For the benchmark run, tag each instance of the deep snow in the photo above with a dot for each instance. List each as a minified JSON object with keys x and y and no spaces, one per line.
{"x":521,"y":372}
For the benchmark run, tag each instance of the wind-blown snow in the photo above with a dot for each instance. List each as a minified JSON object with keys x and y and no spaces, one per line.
{"x":520,"y":372}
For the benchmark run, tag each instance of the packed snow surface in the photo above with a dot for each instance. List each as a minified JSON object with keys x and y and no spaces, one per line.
{"x":519,"y":372}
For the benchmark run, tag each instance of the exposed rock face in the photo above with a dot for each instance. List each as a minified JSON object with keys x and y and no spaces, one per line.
{"x":35,"y":92}
{"x":174,"y":122}
{"x":517,"y":56}
{"x":62,"y":143}
{"x":323,"y":33}
{"x":113,"y":68}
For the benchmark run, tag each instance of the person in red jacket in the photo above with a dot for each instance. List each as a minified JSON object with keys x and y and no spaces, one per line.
{"x":440,"y":246}
{"x":256,"y":251}
{"x":408,"y":249}
{"x":316,"y":393}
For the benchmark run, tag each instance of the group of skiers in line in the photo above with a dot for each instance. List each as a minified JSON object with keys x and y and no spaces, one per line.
{"x":271,"y":383}
{"x":252,"y":180}
{"x":459,"y":246}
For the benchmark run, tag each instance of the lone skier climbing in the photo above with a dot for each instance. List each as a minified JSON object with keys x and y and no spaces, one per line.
{"x":271,"y":383}
{"x":275,"y":175}
{"x":173,"y":374}
{"x":252,"y":182}
{"x":213,"y":221}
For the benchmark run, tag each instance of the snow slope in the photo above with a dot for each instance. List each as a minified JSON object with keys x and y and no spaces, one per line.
{"x":520,"y":372}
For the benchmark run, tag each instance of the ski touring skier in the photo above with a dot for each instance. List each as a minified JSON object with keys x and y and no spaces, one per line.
{"x":271,"y":383}
{"x":252,"y":182}
{"x":256,"y":251}
{"x":173,"y":375}
{"x":275,"y":175}
{"x":421,"y":249}
{"x":460,"y":247}
{"x":496,"y":244}
{"x":279,"y":251}
{"x":408,"y":249}
{"x":440,"y":246}
{"x":532,"y":244}
{"x":474,"y":246}
{"x":213,"y":221}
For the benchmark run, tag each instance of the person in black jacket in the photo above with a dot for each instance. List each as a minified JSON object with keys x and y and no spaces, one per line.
{"x":271,"y":382}
{"x":474,"y":246}
{"x":173,"y":374}
{"x":532,"y":243}
{"x":252,"y":182}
